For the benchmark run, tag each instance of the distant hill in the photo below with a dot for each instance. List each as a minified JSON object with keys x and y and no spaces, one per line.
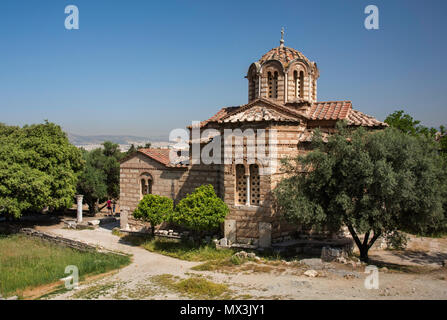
{"x":95,"y":141}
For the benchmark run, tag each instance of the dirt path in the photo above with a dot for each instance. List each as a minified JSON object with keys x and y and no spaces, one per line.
{"x":335,"y":281}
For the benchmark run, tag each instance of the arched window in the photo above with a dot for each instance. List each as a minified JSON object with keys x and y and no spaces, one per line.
{"x":253,"y":88}
{"x":301,"y":85}
{"x":145,"y":185}
{"x":296,"y":83}
{"x":275,"y":85}
{"x":241,"y":185}
{"x":314,"y":90}
{"x":248,"y":190}
{"x":255,"y":181}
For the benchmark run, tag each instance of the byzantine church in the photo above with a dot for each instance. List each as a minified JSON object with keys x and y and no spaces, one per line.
{"x":282,"y":97}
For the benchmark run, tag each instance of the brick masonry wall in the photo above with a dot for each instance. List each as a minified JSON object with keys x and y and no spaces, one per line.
{"x":176,"y":183}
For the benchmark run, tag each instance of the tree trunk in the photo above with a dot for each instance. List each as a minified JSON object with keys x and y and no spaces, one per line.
{"x":91,"y":207}
{"x":365,"y":246}
{"x":364,"y":254}
{"x":152,"y":230}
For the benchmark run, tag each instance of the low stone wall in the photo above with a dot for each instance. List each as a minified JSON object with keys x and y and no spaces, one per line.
{"x":58,"y":240}
{"x":315,"y":247}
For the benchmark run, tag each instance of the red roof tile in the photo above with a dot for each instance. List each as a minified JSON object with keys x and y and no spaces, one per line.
{"x":325,"y":110}
{"x":330,"y":110}
{"x":283,"y":54}
{"x":161,"y":156}
{"x":218,"y":116}
{"x":357,"y":118}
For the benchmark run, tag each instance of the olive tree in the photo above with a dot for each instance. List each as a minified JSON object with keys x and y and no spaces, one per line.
{"x":375,"y":183}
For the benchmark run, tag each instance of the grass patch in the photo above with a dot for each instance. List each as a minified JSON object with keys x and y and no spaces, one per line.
{"x":184,"y":250}
{"x":117,"y":232}
{"x":213,"y":265}
{"x":27,"y":262}
{"x":94,"y":292}
{"x":200,"y":287}
{"x":194,"y":287}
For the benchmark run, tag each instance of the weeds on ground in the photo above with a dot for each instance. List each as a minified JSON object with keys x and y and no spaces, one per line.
{"x":194,"y":287}
{"x":95,"y":291}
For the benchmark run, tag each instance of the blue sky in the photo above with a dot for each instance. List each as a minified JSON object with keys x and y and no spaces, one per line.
{"x":145,"y":67}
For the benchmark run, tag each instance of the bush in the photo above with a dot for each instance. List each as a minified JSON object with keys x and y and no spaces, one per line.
{"x":154,"y":209}
{"x":396,"y":240}
{"x":201,"y":210}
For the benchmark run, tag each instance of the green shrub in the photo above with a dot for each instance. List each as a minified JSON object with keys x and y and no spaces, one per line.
{"x":396,"y":240}
{"x":201,"y":210}
{"x":154,"y":209}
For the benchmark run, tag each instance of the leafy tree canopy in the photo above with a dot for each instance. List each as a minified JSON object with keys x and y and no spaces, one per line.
{"x":92,"y":182}
{"x":154,"y":209}
{"x":201,"y":210}
{"x":38,"y":168}
{"x":100,"y":178}
{"x":375,"y":183}
{"x":405,"y":123}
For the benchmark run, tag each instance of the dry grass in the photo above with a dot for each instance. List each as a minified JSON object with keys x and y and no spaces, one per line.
{"x":194,"y":287}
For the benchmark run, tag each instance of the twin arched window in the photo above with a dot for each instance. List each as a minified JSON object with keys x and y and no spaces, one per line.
{"x":248,"y":185}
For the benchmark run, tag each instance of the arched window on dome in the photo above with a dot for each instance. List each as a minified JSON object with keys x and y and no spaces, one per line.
{"x":301,"y":85}
{"x":296,"y":83}
{"x":273,"y":84}
{"x":253,"y":88}
{"x":314,"y":90}
{"x":270,"y":83}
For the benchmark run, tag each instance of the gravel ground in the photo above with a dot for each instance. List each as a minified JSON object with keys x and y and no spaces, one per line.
{"x":335,"y":281}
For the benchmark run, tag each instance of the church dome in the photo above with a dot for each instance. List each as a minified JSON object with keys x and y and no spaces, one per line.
{"x":285,"y":55}
{"x":283,"y":75}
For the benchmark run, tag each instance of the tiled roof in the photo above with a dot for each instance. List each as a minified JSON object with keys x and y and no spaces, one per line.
{"x":219,"y":115}
{"x":160,"y":155}
{"x":357,"y":118}
{"x":330,"y":110}
{"x":284,"y":54}
{"x":259,"y":113}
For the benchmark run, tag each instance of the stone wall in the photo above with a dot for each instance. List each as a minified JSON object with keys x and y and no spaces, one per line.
{"x":58,"y":240}
{"x":245,"y":223}
{"x":171,"y":182}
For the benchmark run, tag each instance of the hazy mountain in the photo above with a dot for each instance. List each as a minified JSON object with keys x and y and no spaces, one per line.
{"x":95,"y":141}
